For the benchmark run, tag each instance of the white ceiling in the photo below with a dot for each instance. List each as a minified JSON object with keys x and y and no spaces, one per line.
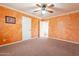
{"x":59,"y":8}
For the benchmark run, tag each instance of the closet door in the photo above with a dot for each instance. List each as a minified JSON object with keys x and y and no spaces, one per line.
{"x":26,"y":28}
{"x":44,"y":29}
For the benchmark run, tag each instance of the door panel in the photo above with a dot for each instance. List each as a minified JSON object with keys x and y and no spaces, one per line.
{"x":26,"y":28}
{"x":44,"y":29}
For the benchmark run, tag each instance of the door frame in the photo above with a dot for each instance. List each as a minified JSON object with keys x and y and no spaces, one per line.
{"x":39,"y":28}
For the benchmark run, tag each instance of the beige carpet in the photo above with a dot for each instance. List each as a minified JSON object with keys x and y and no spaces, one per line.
{"x":41,"y":47}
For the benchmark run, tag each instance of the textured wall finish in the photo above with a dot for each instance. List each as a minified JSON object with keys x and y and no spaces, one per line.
{"x":13,"y":32}
{"x":65,"y":27}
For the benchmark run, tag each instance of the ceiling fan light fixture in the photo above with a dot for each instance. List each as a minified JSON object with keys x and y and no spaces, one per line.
{"x":43,"y":12}
{"x":44,"y":8}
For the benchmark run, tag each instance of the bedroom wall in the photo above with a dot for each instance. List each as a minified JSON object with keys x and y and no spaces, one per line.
{"x":35,"y":27}
{"x":65,"y":27}
{"x":13,"y":32}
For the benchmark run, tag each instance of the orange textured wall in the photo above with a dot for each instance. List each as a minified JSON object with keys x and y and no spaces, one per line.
{"x":13,"y":32}
{"x":35,"y":27}
{"x":65,"y":27}
{"x":9,"y":32}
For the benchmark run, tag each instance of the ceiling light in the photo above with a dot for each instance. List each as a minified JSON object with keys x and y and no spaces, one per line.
{"x":43,"y":12}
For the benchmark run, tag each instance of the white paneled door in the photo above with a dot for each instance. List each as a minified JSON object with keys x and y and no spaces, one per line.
{"x":26,"y":28}
{"x":44,"y":29}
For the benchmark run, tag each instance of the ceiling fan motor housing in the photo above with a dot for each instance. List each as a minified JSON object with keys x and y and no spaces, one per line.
{"x":43,"y":6}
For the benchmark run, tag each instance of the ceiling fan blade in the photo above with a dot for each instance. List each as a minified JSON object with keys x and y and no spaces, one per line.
{"x":36,"y":10}
{"x":51,"y":5}
{"x":50,"y":11}
{"x":57,"y":9}
{"x":38,"y":5}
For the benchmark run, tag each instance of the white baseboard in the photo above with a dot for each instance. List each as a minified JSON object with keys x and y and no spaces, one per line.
{"x":10,"y":43}
{"x":64,"y":40}
{"x":37,"y":38}
{"x":14,"y":42}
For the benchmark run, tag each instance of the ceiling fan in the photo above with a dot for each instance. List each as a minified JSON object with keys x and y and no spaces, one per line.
{"x":44,"y":8}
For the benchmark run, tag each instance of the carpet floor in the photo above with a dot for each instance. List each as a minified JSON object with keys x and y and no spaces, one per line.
{"x":41,"y":47}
